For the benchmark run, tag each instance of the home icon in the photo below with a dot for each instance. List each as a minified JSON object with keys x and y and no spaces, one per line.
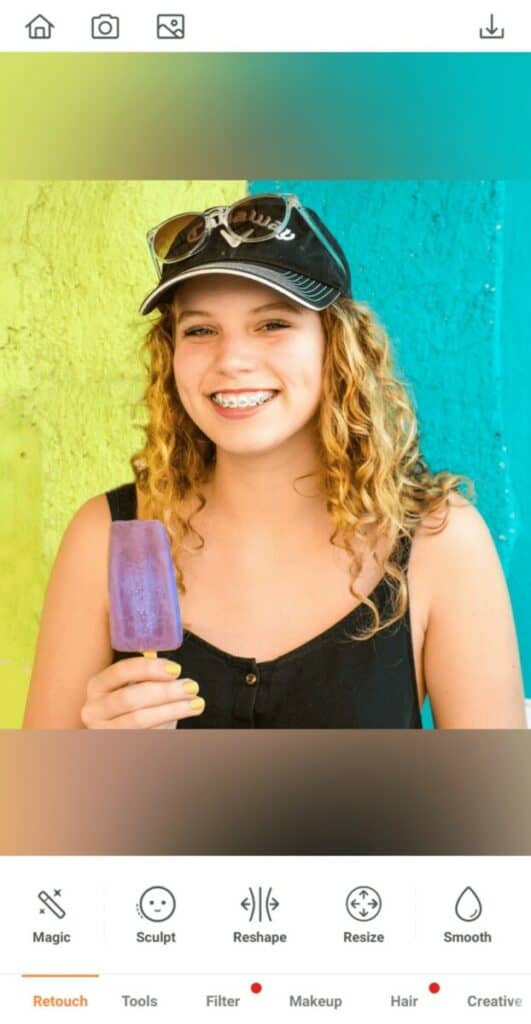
{"x":39,"y":27}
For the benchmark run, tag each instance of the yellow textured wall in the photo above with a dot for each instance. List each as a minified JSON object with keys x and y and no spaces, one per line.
{"x":74,"y":268}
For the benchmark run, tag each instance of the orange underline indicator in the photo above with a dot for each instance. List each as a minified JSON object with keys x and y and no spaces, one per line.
{"x":59,"y":975}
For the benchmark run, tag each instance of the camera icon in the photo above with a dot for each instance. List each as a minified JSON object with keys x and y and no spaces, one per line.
{"x":105,"y":26}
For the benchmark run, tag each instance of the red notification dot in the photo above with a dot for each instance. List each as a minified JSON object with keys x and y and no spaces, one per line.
{"x":256,"y":987}
{"x":435,"y":987}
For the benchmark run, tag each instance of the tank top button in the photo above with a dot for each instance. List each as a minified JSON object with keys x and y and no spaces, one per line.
{"x":250,"y":679}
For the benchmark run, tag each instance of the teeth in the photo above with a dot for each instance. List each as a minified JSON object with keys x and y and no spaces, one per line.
{"x":242,"y":401}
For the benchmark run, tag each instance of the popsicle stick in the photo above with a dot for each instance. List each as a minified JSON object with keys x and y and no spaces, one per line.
{"x":149,"y":654}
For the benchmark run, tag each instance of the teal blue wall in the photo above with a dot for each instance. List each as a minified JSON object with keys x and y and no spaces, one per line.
{"x":446,"y":265}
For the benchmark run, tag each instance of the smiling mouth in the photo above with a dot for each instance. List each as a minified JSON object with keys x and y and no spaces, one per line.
{"x":245,"y":400}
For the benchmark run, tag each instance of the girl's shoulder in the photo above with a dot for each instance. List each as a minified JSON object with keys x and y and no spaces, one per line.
{"x":452,"y":553}
{"x":87,"y":534}
{"x":454,"y":525}
{"x":470,"y":650}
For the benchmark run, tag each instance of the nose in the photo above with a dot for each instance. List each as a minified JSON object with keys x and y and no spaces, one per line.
{"x":234,"y":351}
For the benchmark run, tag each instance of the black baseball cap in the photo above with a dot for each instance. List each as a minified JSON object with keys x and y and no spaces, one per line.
{"x":297,"y":263}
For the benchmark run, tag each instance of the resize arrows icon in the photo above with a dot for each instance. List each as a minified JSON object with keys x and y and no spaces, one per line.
{"x":364,"y":903}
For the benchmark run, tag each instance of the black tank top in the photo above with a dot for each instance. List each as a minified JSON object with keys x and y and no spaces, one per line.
{"x":329,"y":682}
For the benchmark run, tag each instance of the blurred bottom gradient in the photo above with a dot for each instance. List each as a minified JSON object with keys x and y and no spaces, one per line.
{"x":266,"y":792}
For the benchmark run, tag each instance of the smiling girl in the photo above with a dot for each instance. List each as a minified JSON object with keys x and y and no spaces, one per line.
{"x":327,"y":579}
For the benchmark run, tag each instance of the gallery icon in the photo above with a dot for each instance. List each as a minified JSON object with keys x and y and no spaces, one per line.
{"x":50,"y":903}
{"x":260,"y":903}
{"x":170,"y":26}
{"x":39,"y":27}
{"x":364,"y":903}
{"x":156,"y":903}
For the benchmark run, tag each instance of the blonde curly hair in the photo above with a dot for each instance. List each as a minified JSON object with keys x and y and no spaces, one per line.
{"x":374,"y":477}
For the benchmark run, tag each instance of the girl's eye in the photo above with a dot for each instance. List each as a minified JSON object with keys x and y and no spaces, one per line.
{"x":193,"y":331}
{"x":276,"y":324}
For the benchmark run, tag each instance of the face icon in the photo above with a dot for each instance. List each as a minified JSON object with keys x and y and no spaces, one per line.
{"x":156,"y":904}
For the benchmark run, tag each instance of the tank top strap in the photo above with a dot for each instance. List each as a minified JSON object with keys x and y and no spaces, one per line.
{"x":122,"y":501}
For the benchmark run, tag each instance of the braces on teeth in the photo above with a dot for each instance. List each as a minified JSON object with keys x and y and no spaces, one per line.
{"x":241,"y":403}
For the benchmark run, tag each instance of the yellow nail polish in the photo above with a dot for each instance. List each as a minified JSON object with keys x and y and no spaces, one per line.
{"x":191,"y":686}
{"x":197,"y":704}
{"x":172,"y":668}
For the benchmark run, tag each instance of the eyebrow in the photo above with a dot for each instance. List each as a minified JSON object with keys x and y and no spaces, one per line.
{"x":283,"y":304}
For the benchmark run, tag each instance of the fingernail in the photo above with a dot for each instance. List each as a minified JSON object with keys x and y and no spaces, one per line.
{"x":197,"y":704}
{"x":191,"y":686}
{"x":172,"y":668}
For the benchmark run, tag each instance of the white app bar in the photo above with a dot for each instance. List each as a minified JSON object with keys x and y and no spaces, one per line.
{"x":234,"y":26}
{"x":340,"y":938}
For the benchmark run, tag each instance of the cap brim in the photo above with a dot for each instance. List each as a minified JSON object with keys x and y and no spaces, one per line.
{"x":312,"y":294}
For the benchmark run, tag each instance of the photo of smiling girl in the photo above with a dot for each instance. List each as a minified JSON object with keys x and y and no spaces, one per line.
{"x":326,"y":578}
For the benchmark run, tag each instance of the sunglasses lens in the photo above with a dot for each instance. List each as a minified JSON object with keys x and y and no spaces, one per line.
{"x":257,"y":218}
{"x":179,"y":237}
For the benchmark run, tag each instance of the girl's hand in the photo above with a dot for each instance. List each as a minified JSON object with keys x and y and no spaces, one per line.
{"x":140,"y":693}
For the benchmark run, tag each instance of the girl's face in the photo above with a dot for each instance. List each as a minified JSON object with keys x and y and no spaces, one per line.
{"x":235,"y":338}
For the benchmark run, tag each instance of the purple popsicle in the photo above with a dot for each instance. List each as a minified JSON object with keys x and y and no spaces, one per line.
{"x":144,"y":605}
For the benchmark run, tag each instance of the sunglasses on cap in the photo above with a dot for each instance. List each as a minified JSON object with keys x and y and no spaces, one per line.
{"x":253,"y":219}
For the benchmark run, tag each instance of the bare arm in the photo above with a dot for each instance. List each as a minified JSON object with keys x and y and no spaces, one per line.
{"x":74,"y":641}
{"x":471,"y":661}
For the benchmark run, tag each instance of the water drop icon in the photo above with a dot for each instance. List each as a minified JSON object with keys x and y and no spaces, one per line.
{"x":468,"y":906}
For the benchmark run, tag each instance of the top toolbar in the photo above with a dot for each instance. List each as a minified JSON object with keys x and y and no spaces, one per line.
{"x":206,"y":26}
